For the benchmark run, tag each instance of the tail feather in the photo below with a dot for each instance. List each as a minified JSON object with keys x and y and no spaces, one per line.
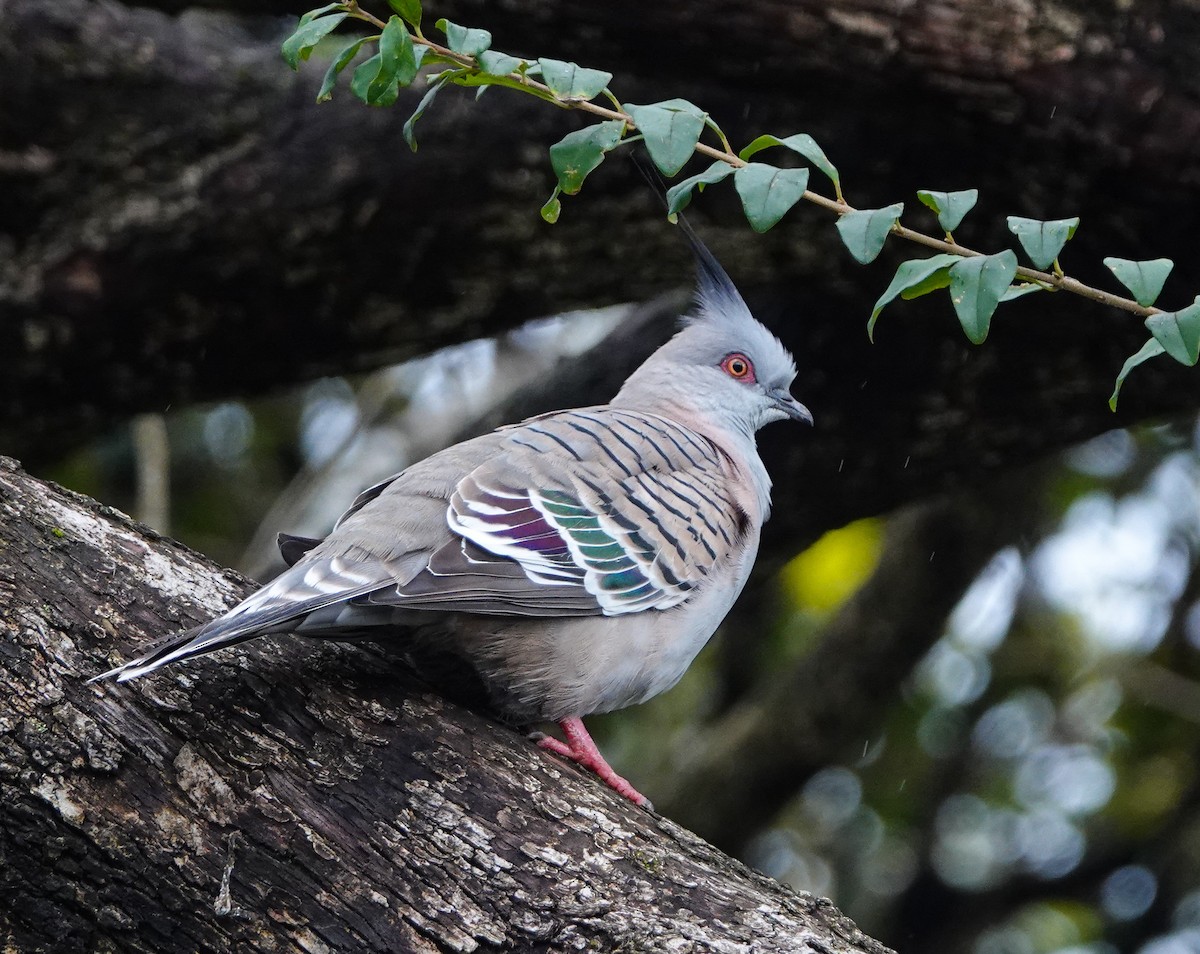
{"x":288,"y":599}
{"x":293,"y":548}
{"x":193,"y":642}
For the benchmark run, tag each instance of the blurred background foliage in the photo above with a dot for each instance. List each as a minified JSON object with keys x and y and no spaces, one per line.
{"x":1029,"y":786}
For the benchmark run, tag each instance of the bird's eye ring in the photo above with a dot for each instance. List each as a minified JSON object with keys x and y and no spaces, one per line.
{"x":738,"y":366}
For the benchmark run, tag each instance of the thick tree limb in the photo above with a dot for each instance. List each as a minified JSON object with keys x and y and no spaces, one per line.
{"x":301,"y":797}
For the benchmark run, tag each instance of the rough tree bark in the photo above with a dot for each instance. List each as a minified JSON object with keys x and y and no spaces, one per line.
{"x":293,"y":796}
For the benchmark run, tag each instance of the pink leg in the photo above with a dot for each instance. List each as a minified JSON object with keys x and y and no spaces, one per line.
{"x":580,"y":748}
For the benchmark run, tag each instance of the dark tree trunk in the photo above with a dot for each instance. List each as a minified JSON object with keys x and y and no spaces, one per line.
{"x":293,"y":796}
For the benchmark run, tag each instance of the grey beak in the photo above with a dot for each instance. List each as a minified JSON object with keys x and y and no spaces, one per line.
{"x":791,"y":407}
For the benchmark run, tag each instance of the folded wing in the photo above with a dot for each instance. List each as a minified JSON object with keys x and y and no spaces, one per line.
{"x":592,"y":512}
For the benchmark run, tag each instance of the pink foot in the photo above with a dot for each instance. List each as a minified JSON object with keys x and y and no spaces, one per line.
{"x":580,"y":748}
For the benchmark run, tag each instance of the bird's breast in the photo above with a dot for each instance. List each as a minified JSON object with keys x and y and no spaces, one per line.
{"x":566,"y":667}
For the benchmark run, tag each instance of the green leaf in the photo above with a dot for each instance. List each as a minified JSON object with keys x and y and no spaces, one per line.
{"x":1151,"y":349}
{"x":950,"y":207}
{"x":340,"y":63}
{"x":498,"y":64}
{"x":671,"y":129}
{"x":931,"y":283}
{"x":976,"y":286}
{"x":680,"y":194}
{"x":463,"y":40}
{"x":1019,"y":291}
{"x":299,"y":45}
{"x":552,"y":208}
{"x":410,"y":10}
{"x":1042,"y":241}
{"x":396,"y":48}
{"x":864,"y":231}
{"x":579,"y":152}
{"x":364,"y":76}
{"x":1143,"y":279}
{"x":570,"y":81}
{"x":802,"y":143}
{"x":410,"y":124}
{"x":377,"y":81}
{"x":916,"y":277}
{"x":1178,"y":332}
{"x":320,"y":12}
{"x":767,"y":193}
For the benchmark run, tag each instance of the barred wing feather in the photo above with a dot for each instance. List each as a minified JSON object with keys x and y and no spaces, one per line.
{"x":586,"y":513}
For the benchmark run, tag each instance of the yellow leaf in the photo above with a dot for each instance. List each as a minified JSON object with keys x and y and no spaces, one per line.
{"x":829,"y":572}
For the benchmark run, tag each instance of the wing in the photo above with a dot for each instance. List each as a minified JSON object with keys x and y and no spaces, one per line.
{"x":592,"y":512}
{"x":364,"y":498}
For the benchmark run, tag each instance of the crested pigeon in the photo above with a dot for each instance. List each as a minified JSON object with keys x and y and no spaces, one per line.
{"x":574,"y":563}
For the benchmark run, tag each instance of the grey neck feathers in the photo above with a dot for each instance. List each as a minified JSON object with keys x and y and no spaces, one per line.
{"x":666,"y":389}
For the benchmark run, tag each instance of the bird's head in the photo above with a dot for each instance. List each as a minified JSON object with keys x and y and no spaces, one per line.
{"x":723,"y":362}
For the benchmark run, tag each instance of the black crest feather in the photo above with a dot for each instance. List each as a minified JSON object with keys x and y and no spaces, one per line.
{"x":715,"y":291}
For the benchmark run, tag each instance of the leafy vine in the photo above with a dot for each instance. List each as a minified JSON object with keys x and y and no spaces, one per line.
{"x":672,"y":131}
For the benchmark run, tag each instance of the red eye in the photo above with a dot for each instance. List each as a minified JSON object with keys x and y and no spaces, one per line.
{"x":738,"y":367}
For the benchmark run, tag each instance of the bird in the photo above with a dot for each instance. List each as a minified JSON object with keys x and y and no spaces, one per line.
{"x":574,"y":563}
